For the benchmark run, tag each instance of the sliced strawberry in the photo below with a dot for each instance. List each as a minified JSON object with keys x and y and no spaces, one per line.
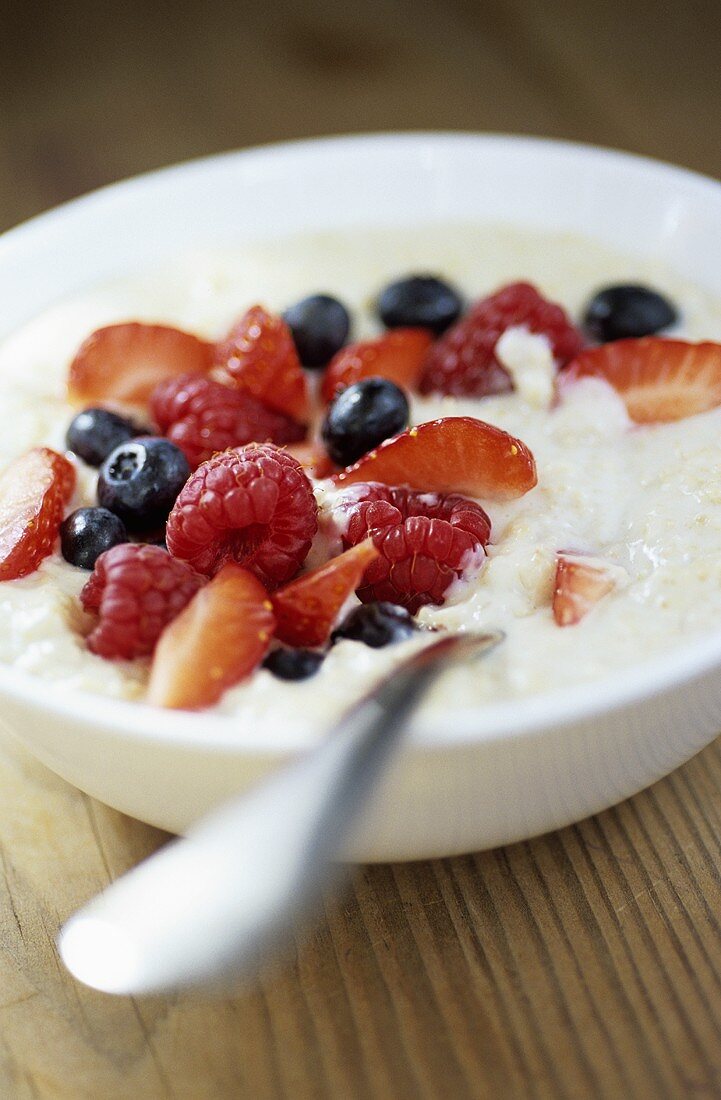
{"x":306,"y":609}
{"x":125,"y":363}
{"x":314,"y":459}
{"x":454,"y":455}
{"x":214,"y":643}
{"x":659,"y":380}
{"x":577,"y":588}
{"x":260,"y":357}
{"x":34,"y":490}
{"x":398,"y":356}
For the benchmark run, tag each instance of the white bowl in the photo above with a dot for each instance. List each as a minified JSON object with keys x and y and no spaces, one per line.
{"x":501,"y":772}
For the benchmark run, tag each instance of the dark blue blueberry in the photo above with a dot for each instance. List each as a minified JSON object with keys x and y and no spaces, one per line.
{"x":140,"y":482}
{"x":320,"y":326}
{"x":419,"y":300}
{"x":293,"y":664}
{"x":362,"y":416}
{"x":94,"y":433}
{"x":619,"y":312}
{"x":377,"y":625}
{"x":88,"y":533}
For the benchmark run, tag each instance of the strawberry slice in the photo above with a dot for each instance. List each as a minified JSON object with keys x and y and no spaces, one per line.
{"x":260,"y":357}
{"x":124,"y":363}
{"x":306,"y":610}
{"x":398,"y":356}
{"x":658,"y":379}
{"x":577,"y":588}
{"x":454,"y":455}
{"x":34,"y":490}
{"x":216,"y":641}
{"x":314,"y":459}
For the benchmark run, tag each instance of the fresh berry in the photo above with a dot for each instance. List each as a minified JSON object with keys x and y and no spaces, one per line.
{"x":140,"y":482}
{"x":320,"y":326}
{"x":94,"y":433}
{"x":314,"y":458}
{"x":306,"y":610}
{"x":422,"y":301}
{"x":455,"y":454}
{"x":136,"y":591}
{"x":577,"y":588}
{"x":34,"y":490}
{"x":463,"y":362}
{"x":254,"y":506}
{"x":259,"y":357}
{"x":88,"y":533}
{"x":217,"y":640}
{"x":361,"y":417}
{"x":659,"y":380}
{"x":377,"y":625}
{"x":397,"y":356}
{"x":125,"y":362}
{"x":203,"y":417}
{"x":425,"y":541}
{"x":293,"y":664}
{"x":620,"y":312}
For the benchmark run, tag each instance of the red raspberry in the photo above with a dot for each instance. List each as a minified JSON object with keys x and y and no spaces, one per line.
{"x":254,"y":506}
{"x":137,"y":591}
{"x":463,"y":361}
{"x":426,"y":540}
{"x":203,"y":417}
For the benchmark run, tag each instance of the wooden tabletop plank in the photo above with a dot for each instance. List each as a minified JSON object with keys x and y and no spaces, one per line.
{"x":582,"y":964}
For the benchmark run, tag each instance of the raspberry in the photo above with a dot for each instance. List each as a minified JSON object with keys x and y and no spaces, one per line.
{"x":426,"y":541}
{"x":463,"y":361}
{"x":203,"y":417}
{"x":254,"y":506}
{"x":137,"y":591}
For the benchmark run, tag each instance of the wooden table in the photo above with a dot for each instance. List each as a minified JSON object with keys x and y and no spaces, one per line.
{"x":585,"y":963}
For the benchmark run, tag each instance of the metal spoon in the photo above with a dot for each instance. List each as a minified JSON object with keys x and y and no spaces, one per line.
{"x":210,"y":907}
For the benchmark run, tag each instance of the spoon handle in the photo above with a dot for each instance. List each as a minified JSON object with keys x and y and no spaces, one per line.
{"x":209,"y":907}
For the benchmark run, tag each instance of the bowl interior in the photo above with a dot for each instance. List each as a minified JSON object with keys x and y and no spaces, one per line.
{"x":627,"y":203}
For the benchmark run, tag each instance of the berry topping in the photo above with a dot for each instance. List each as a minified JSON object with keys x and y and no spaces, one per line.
{"x":455,"y":454}
{"x":259,"y":357}
{"x":362,"y":416}
{"x":422,"y":301}
{"x":94,"y":433}
{"x":426,"y":541}
{"x":125,"y":362}
{"x":254,"y":506}
{"x":140,"y":482}
{"x":136,"y":591}
{"x":619,"y":312}
{"x":313,"y":457}
{"x":293,"y":664}
{"x":88,"y":533}
{"x":397,"y":356}
{"x":577,"y":587}
{"x":34,"y":490}
{"x":463,"y":361}
{"x":377,"y":625}
{"x":659,"y":380}
{"x":320,"y":326}
{"x":306,"y":610}
{"x":203,"y":417}
{"x":216,"y":641}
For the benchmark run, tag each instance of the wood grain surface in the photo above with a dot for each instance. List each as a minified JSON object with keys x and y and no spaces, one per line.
{"x":586,"y":963}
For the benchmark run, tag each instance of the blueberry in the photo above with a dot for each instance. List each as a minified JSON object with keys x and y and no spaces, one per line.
{"x":320,"y":326}
{"x":293,"y":664}
{"x":88,"y":533}
{"x":362,"y":416}
{"x":617,"y":312}
{"x":419,"y":300}
{"x":377,"y":625}
{"x":94,"y":433}
{"x":140,"y":482}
